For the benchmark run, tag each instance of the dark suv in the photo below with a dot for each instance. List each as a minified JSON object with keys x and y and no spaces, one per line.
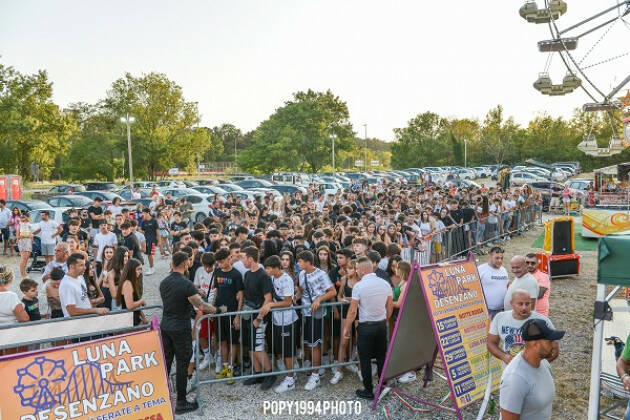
{"x":100,"y":186}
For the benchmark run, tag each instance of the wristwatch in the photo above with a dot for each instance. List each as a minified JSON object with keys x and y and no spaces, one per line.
{"x":623,"y":376}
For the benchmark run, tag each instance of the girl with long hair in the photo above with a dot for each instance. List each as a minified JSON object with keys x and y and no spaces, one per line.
{"x":120,"y":258}
{"x":345,"y":295}
{"x":129,"y":294}
{"x":25,"y":241}
{"x":106,"y":257}
{"x":323,"y":259}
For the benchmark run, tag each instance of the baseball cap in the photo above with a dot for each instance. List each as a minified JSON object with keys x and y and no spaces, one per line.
{"x":537,"y":329}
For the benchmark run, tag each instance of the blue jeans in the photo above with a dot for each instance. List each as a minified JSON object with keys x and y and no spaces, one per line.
{"x":627,"y":415}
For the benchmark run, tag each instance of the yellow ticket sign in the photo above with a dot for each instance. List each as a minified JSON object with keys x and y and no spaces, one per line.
{"x":457,"y":308}
{"x":118,"y":377}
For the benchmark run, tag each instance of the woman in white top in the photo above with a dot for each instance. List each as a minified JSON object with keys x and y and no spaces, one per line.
{"x":11,"y":308}
{"x":426,"y":240}
{"x":115,"y":208}
{"x":25,"y":236}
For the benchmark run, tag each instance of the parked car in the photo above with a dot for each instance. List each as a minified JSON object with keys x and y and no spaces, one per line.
{"x":329,"y":188}
{"x":100,"y":186}
{"x":207,"y":182}
{"x":75,"y":201}
{"x":288,"y":188}
{"x":28,"y":205}
{"x":132,"y":204}
{"x":126,"y":194}
{"x":543,"y":187}
{"x":140,"y":184}
{"x":106,"y":196}
{"x":230,"y":187}
{"x":58,"y":214}
{"x":290,"y":178}
{"x":171,"y":184}
{"x":201,"y":205}
{"x":254,"y":183}
{"x":209,"y":189}
{"x":64,"y":189}
{"x":243,"y":196}
{"x":178,"y":192}
{"x":579,"y":184}
{"x":465,"y":183}
{"x":237,"y":178}
{"x":522,"y":178}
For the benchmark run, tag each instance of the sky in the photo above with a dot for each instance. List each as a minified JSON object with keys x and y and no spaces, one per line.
{"x":240,"y":60}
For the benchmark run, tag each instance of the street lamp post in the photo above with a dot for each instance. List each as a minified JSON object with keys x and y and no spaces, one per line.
{"x":128,"y":120}
{"x":365,"y":152}
{"x":465,"y":153}
{"x":332,"y":137}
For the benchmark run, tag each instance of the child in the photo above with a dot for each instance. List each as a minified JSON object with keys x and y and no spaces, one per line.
{"x":30,"y":301}
{"x":52,"y":292}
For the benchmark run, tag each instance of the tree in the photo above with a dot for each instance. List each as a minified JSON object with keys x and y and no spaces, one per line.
{"x":421,"y":143}
{"x":498,"y":136}
{"x":163,"y":133}
{"x":32,"y":127}
{"x":298,"y":135}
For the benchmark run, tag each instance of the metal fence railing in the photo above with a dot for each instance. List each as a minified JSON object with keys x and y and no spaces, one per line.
{"x":458,"y":240}
{"x":45,"y":333}
{"x":329,"y":325}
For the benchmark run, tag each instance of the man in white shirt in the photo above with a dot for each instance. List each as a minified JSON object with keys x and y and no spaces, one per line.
{"x":373,"y":296}
{"x":504,"y":337}
{"x":5,"y":215}
{"x":522,"y":280}
{"x":61,"y":256}
{"x":494,"y":281}
{"x":73,"y":292}
{"x":47,"y":230}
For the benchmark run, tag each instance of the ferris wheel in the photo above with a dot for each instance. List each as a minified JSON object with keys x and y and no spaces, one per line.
{"x":594,"y":53}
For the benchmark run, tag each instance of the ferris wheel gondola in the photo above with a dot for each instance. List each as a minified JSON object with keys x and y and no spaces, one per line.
{"x":579,"y":57}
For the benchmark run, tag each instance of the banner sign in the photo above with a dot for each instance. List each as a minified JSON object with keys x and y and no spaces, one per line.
{"x":598,"y":223}
{"x":457,"y":308}
{"x":118,"y":377}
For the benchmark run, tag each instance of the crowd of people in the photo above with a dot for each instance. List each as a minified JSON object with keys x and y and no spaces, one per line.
{"x":304,"y":251}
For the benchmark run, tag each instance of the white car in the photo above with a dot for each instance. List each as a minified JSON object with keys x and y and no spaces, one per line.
{"x":329,"y":188}
{"x":209,"y":189}
{"x":522,"y":178}
{"x":201,"y":205}
{"x":58,"y":214}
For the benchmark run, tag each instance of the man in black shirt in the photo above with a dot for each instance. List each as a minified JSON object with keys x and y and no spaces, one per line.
{"x":258,"y":291}
{"x":468,"y":215}
{"x":178,"y":227}
{"x":228,"y":283}
{"x":95,"y":212}
{"x":178,"y":293}
{"x":150,"y":228}
{"x":131,"y":241}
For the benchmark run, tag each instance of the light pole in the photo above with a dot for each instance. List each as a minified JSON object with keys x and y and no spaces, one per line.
{"x":128,"y":120}
{"x":465,"y":153}
{"x":365,"y":152}
{"x":235,"y":154}
{"x":332,"y":138}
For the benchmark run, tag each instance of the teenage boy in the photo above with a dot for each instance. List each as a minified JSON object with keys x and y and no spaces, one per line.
{"x":150,"y":229}
{"x":314,"y":287}
{"x":284,"y":322}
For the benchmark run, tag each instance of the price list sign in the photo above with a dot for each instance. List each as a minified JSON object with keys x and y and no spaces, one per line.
{"x":458,"y":311}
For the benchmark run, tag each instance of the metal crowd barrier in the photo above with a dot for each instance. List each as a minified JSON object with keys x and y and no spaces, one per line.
{"x":457,"y":241}
{"x":34,"y":335}
{"x":328,"y":324}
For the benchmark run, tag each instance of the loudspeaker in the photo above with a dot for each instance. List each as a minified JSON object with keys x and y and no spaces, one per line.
{"x":562,"y":231}
{"x":559,"y":265}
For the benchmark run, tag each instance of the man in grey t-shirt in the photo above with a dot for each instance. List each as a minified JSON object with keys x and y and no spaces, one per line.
{"x":527,"y":388}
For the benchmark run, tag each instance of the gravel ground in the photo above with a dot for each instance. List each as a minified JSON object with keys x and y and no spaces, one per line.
{"x":571,"y":305}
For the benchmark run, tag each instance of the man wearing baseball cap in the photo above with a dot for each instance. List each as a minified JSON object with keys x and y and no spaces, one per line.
{"x":527,"y":387}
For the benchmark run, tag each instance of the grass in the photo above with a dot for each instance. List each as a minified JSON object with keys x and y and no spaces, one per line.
{"x":581,"y":243}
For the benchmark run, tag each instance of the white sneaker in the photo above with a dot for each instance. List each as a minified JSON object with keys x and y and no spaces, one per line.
{"x":288,"y":384}
{"x":407,"y":377}
{"x":205,"y":362}
{"x":190,"y":383}
{"x":313,"y":382}
{"x":374,"y":369}
{"x":359,"y":375}
{"x":352,"y":368}
{"x":218,"y":364}
{"x":336,"y":378}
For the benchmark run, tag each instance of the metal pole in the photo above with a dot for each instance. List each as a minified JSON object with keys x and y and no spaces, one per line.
{"x":129,"y":151}
{"x":365,"y":152}
{"x":235,"y":154}
{"x":333,"y":153}
{"x":465,"y":153}
{"x":596,"y":360}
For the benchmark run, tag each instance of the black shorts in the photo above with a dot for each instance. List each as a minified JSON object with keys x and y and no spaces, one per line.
{"x":253,"y":337}
{"x":226,"y":331}
{"x":336,"y":327}
{"x":312,"y":328}
{"x":284,"y":339}
{"x":151,"y":246}
{"x":5,"y":234}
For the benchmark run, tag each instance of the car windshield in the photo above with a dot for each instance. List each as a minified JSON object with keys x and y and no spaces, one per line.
{"x":38,"y":205}
{"x":79,"y":200}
